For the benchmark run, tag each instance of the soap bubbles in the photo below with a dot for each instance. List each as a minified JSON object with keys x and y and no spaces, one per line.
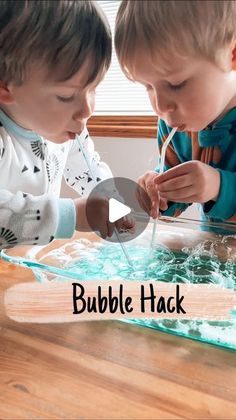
{"x":210,"y":261}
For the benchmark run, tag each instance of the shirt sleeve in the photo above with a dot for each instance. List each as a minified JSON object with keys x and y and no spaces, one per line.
{"x":171,"y":159}
{"x":84,"y":168}
{"x":29,"y":220}
{"x":224,"y":208}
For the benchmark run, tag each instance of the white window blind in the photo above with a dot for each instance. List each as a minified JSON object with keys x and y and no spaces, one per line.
{"x":117,"y":95}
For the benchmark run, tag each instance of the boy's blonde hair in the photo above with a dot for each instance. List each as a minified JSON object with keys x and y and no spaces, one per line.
{"x":60,"y":34}
{"x":174,"y":28}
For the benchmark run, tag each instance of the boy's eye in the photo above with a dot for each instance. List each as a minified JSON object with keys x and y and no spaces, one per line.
{"x":65,"y":98}
{"x":176,"y":87}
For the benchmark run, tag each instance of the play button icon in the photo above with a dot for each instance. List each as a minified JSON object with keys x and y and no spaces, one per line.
{"x":122,"y":202}
{"x":117,"y":210}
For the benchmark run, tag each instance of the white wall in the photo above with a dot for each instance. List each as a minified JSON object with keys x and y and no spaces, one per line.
{"x":128,"y":158}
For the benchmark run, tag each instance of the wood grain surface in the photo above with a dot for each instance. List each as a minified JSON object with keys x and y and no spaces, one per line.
{"x":108,"y":370}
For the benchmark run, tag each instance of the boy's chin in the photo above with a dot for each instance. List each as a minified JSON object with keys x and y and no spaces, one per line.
{"x":58,"y":138}
{"x":196,"y":128}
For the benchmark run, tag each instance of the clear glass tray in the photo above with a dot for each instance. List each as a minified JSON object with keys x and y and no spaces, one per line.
{"x":185,"y":250}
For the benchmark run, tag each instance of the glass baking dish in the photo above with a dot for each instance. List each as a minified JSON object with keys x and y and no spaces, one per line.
{"x":185,"y":251}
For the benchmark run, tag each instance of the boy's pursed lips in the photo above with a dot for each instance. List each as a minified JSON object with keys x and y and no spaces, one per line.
{"x":180,"y":126}
{"x":72,"y":134}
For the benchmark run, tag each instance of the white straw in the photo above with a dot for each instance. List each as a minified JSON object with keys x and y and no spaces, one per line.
{"x":161,"y":170}
{"x":123,"y":248}
{"x":94,"y":179}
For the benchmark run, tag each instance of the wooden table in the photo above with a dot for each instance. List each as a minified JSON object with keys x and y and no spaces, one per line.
{"x":108,"y":370}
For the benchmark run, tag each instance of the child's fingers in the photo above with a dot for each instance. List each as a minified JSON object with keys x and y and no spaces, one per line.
{"x":118,"y":224}
{"x":176,"y":183}
{"x":155,"y":205}
{"x":110,"y":229}
{"x":143,"y":199}
{"x":178,"y":170}
{"x":128,"y":222}
{"x":163,"y":204}
{"x":154,"y":212}
{"x":182,"y":195}
{"x":154,"y":199}
{"x":152,"y":192}
{"x":103,"y":229}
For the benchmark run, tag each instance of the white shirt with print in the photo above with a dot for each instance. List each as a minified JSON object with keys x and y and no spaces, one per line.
{"x":31,"y":171}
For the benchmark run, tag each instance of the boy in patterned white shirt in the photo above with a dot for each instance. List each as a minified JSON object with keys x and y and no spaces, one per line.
{"x":53,"y":54}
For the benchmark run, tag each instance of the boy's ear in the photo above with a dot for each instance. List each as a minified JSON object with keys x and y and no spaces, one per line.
{"x":6,"y":96}
{"x":234,"y":58}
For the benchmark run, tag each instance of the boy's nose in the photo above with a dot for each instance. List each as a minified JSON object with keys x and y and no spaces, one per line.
{"x":164,"y":105}
{"x":84,"y":111}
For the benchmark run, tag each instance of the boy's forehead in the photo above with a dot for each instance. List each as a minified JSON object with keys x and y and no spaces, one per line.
{"x":54,"y":77}
{"x":77,"y":81}
{"x":146,"y":65}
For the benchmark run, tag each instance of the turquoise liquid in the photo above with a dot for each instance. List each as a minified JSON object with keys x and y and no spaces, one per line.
{"x":197,"y":265}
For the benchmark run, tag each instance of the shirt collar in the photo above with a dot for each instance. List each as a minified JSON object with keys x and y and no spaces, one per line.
{"x":219,"y":132}
{"x":16,"y":129}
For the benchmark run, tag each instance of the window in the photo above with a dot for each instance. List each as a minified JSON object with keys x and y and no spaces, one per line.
{"x":122,"y":107}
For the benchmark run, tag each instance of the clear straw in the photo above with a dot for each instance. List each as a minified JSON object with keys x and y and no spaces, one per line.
{"x":161,"y":170}
{"x":94,"y":179}
{"x":123,"y":249}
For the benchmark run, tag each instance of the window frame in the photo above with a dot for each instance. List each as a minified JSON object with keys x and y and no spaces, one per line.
{"x":135,"y":126}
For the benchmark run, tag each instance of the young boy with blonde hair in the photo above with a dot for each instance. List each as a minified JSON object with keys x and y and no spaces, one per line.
{"x":53,"y":54}
{"x":184,"y":53}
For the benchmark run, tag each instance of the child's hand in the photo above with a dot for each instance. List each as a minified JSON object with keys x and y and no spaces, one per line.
{"x":190,"y":182}
{"x":96,"y":209}
{"x":151,"y":201}
{"x":127,"y":224}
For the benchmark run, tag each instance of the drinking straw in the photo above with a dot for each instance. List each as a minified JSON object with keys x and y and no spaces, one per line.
{"x":161,"y":170}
